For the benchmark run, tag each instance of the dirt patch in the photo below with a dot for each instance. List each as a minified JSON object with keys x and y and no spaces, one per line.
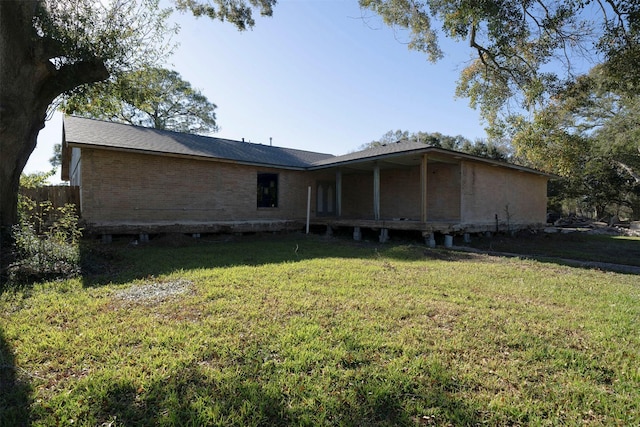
{"x":154,"y":292}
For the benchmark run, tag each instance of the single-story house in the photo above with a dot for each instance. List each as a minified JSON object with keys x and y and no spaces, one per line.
{"x":141,"y":180}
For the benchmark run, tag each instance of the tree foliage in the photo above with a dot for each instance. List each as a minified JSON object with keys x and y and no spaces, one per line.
{"x":588,"y":134}
{"x":238,"y":12}
{"x":151,"y":97}
{"x":479,"y":148}
{"x":524,"y":51}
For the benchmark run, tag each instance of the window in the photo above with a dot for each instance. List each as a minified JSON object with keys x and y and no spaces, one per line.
{"x":267,"y":190}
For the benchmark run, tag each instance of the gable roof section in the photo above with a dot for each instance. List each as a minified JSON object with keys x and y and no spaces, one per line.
{"x":84,"y":132}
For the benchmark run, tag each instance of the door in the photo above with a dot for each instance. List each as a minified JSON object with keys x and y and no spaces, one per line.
{"x":326,"y":198}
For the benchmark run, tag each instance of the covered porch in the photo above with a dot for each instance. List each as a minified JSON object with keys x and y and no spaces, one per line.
{"x":411,"y":192}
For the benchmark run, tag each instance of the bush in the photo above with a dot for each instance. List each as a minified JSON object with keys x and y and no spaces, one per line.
{"x":46,"y":242}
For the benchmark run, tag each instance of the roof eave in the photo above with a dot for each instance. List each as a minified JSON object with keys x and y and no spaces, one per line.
{"x":426,"y":150}
{"x":184,"y":156}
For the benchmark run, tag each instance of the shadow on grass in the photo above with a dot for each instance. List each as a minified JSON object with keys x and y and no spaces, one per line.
{"x":197,"y":396}
{"x":14,"y":390}
{"x":603,"y":252}
{"x":122,"y":261}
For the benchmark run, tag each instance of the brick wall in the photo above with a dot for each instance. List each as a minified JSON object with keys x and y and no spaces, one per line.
{"x":400,"y":193}
{"x":357,"y":195}
{"x":120,"y":186}
{"x":488,"y":190}
{"x":443,"y":192}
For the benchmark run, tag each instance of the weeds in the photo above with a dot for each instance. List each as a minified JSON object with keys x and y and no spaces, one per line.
{"x":46,"y":243}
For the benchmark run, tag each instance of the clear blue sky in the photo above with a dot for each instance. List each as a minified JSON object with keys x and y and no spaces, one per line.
{"x":316,"y":76}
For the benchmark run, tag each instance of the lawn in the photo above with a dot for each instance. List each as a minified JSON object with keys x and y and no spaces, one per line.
{"x":578,"y":245}
{"x":305,"y":330}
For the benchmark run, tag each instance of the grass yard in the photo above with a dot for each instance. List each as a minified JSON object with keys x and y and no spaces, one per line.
{"x":251,"y":332}
{"x":580,"y":246}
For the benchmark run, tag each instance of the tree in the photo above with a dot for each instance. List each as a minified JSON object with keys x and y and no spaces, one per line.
{"x":588,"y":133}
{"x":524,"y":51}
{"x":436,"y":139}
{"x":49,"y":48}
{"x":151,"y":97}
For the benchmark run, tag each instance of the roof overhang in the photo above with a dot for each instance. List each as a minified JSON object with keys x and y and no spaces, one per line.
{"x":414,"y":157}
{"x":93,"y":146}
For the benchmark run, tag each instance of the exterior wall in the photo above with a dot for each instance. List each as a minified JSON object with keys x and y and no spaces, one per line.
{"x":488,"y":190}
{"x":129,"y":187}
{"x":443,"y":192}
{"x":400,"y":193}
{"x":357,"y":195}
{"x":314,"y":179}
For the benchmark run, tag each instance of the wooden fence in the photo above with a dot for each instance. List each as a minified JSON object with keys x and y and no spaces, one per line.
{"x":58,"y":195}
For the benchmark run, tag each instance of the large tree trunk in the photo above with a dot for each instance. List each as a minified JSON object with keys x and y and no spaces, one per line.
{"x":29,"y":83}
{"x":20,"y":119}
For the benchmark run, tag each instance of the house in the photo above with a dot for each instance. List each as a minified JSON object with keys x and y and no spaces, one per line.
{"x":141,"y":180}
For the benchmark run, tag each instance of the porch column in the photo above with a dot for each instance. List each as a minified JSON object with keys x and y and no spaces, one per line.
{"x":338,"y":193}
{"x":376,"y":192}
{"x":423,"y":188}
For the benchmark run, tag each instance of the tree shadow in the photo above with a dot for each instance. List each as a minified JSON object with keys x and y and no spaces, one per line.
{"x":193,"y":396}
{"x":123,"y":261}
{"x":15,"y":390}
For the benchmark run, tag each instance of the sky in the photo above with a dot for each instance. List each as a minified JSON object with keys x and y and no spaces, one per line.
{"x":320,"y":75}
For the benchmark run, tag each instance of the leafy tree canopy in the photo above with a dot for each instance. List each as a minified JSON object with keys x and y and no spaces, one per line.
{"x":490,"y":150}
{"x":151,"y":97}
{"x":587,"y":133}
{"x":525,"y":51}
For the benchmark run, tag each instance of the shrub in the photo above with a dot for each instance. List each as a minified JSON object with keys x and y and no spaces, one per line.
{"x":46,"y":242}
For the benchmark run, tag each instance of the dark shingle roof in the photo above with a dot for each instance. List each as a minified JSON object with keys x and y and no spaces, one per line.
{"x":400,"y":147}
{"x":82,"y":131}
{"x":89,"y":132}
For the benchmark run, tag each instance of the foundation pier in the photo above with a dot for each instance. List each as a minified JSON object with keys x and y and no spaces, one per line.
{"x":357,"y":234}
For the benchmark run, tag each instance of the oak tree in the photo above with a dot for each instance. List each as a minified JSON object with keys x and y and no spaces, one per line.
{"x":150,"y":97}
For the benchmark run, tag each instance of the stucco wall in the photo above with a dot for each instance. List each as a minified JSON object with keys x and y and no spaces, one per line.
{"x":119,"y":186}
{"x":489,"y":191}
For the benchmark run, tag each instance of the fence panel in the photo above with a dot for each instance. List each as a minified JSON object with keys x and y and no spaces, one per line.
{"x":58,"y":195}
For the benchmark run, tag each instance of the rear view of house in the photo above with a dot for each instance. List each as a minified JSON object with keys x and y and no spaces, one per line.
{"x":140,"y":180}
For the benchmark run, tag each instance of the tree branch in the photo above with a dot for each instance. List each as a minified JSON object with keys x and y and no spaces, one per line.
{"x":629,"y":170}
{"x":71,"y":76}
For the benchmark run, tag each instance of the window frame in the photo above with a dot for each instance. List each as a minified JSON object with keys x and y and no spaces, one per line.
{"x":268,"y":199}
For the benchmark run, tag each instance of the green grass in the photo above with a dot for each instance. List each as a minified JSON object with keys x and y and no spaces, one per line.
{"x":580,"y":246}
{"x":336,"y":334}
